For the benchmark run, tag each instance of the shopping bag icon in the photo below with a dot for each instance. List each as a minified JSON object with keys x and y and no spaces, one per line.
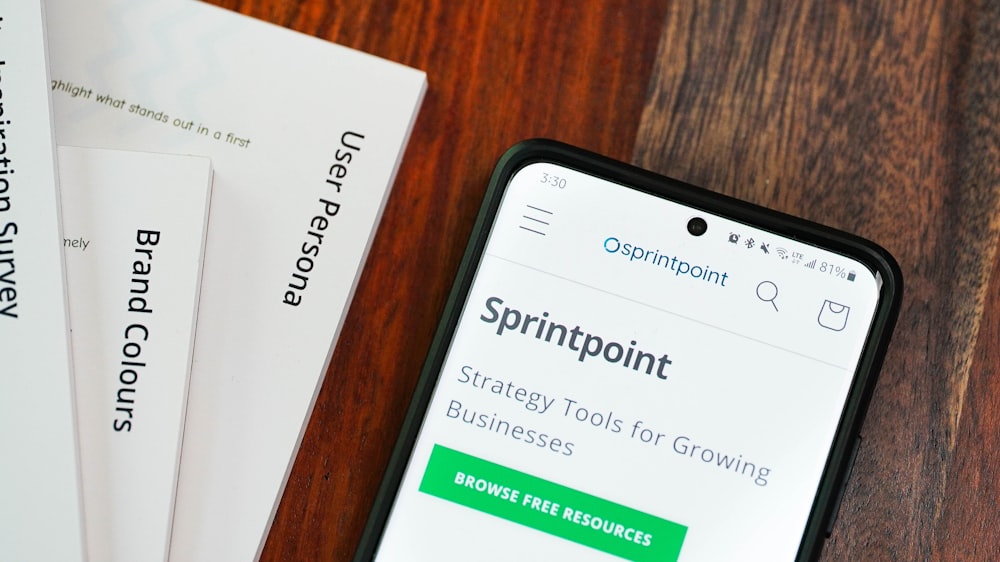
{"x":833,"y":316}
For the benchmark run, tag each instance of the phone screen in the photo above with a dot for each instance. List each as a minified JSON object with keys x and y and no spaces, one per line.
{"x":618,"y":386}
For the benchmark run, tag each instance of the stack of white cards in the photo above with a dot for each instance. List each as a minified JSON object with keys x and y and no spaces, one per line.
{"x":164,"y":334}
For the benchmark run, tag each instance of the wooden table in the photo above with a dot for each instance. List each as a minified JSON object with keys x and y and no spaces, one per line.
{"x":878,"y":117}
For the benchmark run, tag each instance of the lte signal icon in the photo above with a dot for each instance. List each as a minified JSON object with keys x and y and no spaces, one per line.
{"x":811,"y":264}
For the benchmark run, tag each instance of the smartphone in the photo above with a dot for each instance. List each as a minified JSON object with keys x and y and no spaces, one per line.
{"x":630,"y":367}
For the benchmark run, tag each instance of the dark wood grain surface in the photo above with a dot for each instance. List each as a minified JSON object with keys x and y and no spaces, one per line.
{"x":878,"y":117}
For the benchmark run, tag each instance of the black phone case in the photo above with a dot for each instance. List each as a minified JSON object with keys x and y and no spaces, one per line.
{"x":848,"y":436}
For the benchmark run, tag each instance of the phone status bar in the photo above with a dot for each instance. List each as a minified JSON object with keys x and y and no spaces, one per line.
{"x":767,"y":249}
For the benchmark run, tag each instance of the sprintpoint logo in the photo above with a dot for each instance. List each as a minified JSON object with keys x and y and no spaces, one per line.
{"x":656,"y":258}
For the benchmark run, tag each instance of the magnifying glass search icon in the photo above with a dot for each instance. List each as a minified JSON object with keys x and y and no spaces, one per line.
{"x":767,"y":291}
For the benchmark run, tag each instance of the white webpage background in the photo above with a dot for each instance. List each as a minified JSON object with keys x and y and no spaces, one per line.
{"x":745,"y":380}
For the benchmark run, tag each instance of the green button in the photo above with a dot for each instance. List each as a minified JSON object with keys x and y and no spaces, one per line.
{"x":551,"y":508}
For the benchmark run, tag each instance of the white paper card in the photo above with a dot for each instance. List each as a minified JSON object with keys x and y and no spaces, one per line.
{"x":134,"y":228}
{"x":41,"y":517}
{"x":305,"y":137}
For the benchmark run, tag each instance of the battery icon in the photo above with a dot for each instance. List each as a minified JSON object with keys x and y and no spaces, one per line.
{"x":851,"y":275}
